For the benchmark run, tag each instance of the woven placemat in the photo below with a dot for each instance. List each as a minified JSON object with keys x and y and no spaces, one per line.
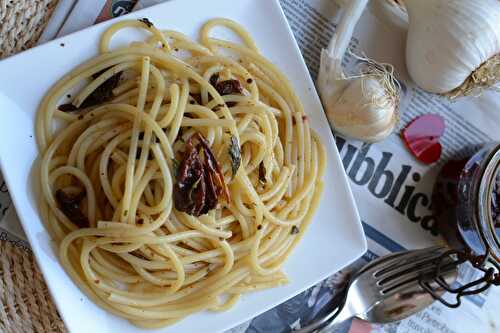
{"x":25,"y":304}
{"x":21,"y":23}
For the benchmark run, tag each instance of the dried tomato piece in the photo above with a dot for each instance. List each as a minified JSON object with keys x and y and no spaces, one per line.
{"x":226,"y":87}
{"x":68,"y":107}
{"x":101,"y":94}
{"x":229,"y":87}
{"x":422,"y":137}
{"x":262,"y":173}
{"x":146,"y":21}
{"x":213,"y":168}
{"x":70,"y":205}
{"x":199,"y":180}
{"x":212,"y":193}
{"x":189,"y":196}
{"x":104,"y":92}
{"x":196,"y":98}
{"x":213,"y":79}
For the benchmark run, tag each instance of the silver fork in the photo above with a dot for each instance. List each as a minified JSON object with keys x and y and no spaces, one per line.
{"x":388,"y":289}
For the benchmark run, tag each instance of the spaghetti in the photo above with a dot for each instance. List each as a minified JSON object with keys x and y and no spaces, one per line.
{"x":113,"y":158}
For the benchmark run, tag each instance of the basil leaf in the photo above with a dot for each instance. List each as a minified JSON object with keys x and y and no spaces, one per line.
{"x":235,"y":154}
{"x":175,"y":166}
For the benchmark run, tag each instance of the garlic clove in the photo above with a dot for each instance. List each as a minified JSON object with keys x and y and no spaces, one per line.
{"x":365,"y":110}
{"x":448,"y":41}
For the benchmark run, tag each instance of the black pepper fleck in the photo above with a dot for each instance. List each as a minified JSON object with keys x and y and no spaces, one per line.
{"x":62,"y":44}
{"x":249,"y":81}
{"x":259,"y":227}
{"x":147,"y":22}
{"x":295,"y":230}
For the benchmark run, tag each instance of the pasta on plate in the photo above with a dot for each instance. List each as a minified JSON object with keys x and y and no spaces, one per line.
{"x":176,"y":175}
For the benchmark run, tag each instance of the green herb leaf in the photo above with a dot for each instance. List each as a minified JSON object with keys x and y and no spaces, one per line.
{"x":175,"y":166}
{"x":235,"y":154}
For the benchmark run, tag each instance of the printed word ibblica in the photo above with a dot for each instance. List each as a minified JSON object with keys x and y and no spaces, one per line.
{"x":384,"y":184}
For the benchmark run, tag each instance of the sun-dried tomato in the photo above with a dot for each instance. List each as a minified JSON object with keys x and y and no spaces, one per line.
{"x":213,"y":79}
{"x":68,"y":107}
{"x":229,"y":87}
{"x":199,"y":181}
{"x":104,"y":92}
{"x":262,"y":173}
{"x":70,"y":205}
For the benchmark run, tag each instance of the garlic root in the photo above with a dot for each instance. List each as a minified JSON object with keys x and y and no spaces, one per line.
{"x":486,"y":77}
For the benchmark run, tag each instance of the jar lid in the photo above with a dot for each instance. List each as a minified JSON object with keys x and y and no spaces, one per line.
{"x":495,"y":203}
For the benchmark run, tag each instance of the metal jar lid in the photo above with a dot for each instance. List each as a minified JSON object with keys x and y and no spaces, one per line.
{"x":485,"y":221}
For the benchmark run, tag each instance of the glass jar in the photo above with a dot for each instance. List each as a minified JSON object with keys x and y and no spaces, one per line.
{"x":466,"y":203}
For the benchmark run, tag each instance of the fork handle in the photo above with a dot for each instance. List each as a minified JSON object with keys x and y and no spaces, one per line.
{"x":342,"y":316}
{"x":330,"y":320}
{"x":339,"y":318}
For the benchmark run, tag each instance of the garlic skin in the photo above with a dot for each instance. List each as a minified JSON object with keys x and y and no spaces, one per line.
{"x":365,"y":111}
{"x":449,"y":40}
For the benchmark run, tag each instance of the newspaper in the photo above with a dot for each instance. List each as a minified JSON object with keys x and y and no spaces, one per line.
{"x":392,"y":190}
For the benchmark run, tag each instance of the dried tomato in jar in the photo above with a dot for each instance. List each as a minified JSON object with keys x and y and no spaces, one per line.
{"x":466,"y":202}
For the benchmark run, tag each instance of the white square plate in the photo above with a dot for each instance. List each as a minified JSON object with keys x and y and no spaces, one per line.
{"x":334,"y":239}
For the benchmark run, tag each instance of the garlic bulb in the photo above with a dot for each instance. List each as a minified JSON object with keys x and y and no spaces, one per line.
{"x":391,"y":11}
{"x":453,"y":46}
{"x":363,"y":106}
{"x":371,"y":115}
